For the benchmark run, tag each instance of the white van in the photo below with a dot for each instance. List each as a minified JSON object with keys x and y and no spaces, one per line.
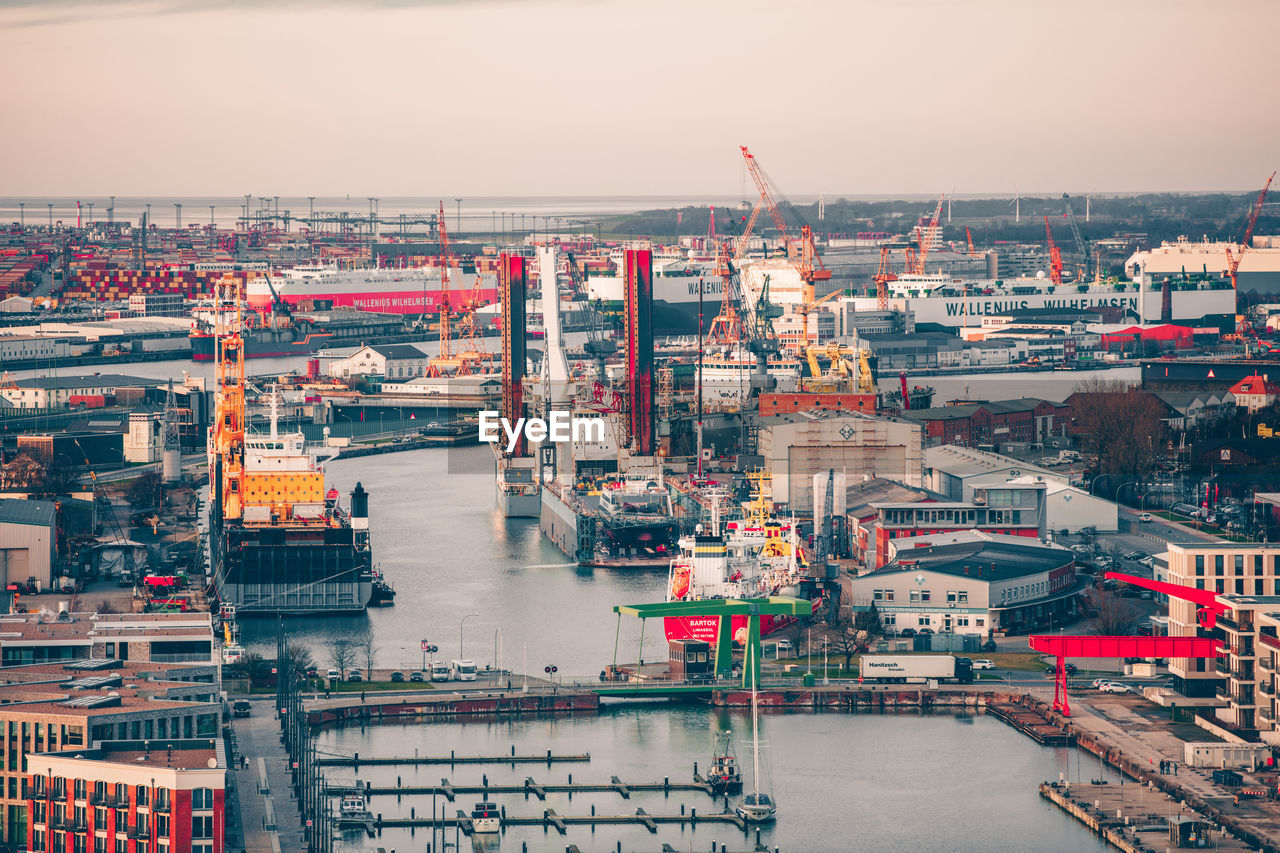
{"x":439,"y":671}
{"x":462,"y":670}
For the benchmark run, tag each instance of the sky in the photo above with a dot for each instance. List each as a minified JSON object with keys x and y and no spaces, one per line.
{"x":635,"y":97}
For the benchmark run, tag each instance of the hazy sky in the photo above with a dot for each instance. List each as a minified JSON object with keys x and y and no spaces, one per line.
{"x":623,"y":97}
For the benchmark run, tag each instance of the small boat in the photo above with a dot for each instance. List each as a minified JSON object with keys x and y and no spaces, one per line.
{"x":352,"y":811}
{"x":756,"y":807}
{"x":485,"y":818}
{"x":724,"y":775}
{"x":384,"y":594}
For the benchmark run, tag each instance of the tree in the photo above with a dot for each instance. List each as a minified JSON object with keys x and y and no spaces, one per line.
{"x":343,"y":654}
{"x":369,"y":649}
{"x":298,"y":658}
{"x":1122,"y":426}
{"x":845,"y":638}
{"x":1113,"y":615}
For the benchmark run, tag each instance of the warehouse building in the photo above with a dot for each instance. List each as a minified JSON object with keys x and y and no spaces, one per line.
{"x":972,"y":583}
{"x":795,"y":447}
{"x":28,"y":541}
{"x":957,"y":471}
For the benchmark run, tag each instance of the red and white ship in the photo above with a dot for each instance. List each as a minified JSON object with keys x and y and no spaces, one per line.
{"x":387,"y":291}
{"x":757,"y":557}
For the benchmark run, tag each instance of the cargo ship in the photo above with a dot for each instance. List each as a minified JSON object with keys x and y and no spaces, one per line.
{"x":1259,"y":264}
{"x":756,"y":557}
{"x":286,"y":332}
{"x":278,"y":542}
{"x":413,"y":291}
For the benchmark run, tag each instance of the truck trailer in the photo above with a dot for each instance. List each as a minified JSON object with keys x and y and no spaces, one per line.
{"x":914,"y":669}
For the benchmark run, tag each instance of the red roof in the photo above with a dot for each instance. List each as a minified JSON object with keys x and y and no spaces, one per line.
{"x":1255,"y":385}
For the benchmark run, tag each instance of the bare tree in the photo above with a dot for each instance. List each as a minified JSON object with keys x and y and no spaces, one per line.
{"x":1112,"y":615}
{"x":845,"y":638}
{"x":298,"y":658}
{"x":343,"y":655}
{"x":370,"y":649}
{"x":1123,"y":426}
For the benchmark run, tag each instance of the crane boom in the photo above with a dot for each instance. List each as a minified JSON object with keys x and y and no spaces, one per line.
{"x":926,"y":238}
{"x":1082,"y":247}
{"x":444,"y":289}
{"x":1233,"y":261}
{"x":766,"y":197}
{"x":1055,"y":254}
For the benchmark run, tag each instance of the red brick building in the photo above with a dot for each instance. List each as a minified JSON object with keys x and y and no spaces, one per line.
{"x":1005,"y":509}
{"x":1025,"y":420}
{"x":157,"y":796}
{"x":789,"y":404}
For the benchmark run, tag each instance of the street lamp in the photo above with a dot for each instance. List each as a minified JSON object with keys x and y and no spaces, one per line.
{"x":460,"y":624}
{"x":1121,"y":486}
{"x":497,"y":659}
{"x":1095,"y":480}
{"x":825,"y":680}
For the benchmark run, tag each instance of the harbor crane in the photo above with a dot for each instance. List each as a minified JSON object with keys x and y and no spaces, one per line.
{"x":597,"y":346}
{"x":444,"y":289}
{"x":1233,"y":260}
{"x":916,"y":259}
{"x":1086,"y":262}
{"x":1055,"y":254}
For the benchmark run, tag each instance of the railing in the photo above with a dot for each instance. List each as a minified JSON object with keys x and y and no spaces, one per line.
{"x":163,"y":808}
{"x":100,"y":799}
{"x":1268,"y":640}
{"x":135,"y":832}
{"x":30,"y":793}
{"x":1267,"y":687}
{"x":58,"y":796}
{"x":1265,"y":663}
{"x":1227,"y":622}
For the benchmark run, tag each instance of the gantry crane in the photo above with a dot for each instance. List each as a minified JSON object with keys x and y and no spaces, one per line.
{"x":1055,"y":254}
{"x":883,"y":276}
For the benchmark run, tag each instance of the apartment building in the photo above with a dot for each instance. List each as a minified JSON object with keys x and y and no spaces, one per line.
{"x":129,"y":796}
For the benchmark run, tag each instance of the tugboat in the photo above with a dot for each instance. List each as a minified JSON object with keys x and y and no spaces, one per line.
{"x":724,"y":775}
{"x":486,"y":819}
{"x":384,"y":594}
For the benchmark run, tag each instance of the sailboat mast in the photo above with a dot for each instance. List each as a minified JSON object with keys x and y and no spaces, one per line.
{"x":755,"y":728}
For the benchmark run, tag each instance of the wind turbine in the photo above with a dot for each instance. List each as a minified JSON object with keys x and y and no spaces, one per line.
{"x":1016,"y":204}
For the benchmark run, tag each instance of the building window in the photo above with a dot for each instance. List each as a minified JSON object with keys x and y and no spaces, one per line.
{"x":162,"y":826}
{"x":205,"y":847}
{"x":964,"y":597}
{"x":37,"y":839}
{"x":1239,"y":561}
{"x":1219,"y":561}
{"x":922,"y":620}
{"x":951,"y":596}
{"x":142,"y":846}
{"x":202,"y":798}
{"x":144,"y":795}
{"x":888,"y":595}
{"x":99,"y":817}
{"x":877,"y":595}
{"x":925,"y":595}
{"x":99,"y":844}
{"x":914,"y":597}
{"x":980,"y":622}
{"x":78,"y":843}
{"x":80,"y":789}
{"x":202,"y":826}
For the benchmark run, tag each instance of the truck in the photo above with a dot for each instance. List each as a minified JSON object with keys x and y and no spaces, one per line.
{"x":462,"y":670}
{"x":439,"y":671}
{"x":914,"y":669}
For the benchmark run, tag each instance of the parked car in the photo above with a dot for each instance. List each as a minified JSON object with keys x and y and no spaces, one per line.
{"x":355,"y":675}
{"x":1052,"y":669}
{"x":397,"y":676}
{"x":415,"y":676}
{"x":983,"y":663}
{"x":312,"y":672}
{"x":923,"y":631}
{"x":333,"y":675}
{"x":1145,"y":517}
{"x":907,"y":632}
{"x":1133,"y":555}
{"x":1114,"y":687}
{"x":241,"y":708}
{"x":1098,"y":682}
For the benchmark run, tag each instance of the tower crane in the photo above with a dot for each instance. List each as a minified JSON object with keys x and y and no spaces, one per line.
{"x":883,"y":276}
{"x":1055,"y":254}
{"x":1082,"y":247}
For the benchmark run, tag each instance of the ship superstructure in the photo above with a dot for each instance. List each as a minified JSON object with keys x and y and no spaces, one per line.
{"x":756,"y":557}
{"x":278,"y":542}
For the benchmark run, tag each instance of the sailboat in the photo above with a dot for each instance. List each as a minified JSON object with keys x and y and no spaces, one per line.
{"x":756,"y":807}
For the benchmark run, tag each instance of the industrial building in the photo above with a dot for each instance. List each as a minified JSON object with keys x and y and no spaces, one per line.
{"x":158,"y":305}
{"x":971,"y":583}
{"x":28,"y":541}
{"x":55,"y":392}
{"x":1000,"y":509}
{"x":1067,"y":508}
{"x":1025,"y":420}
{"x":795,"y":447}
{"x":957,"y":471}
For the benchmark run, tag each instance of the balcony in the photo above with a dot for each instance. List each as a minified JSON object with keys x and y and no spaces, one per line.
{"x":133,"y":833}
{"x":97,"y":799}
{"x":57,"y":822}
{"x":30,"y":793}
{"x":1222,"y":695}
{"x":58,"y":795}
{"x":1228,"y":623}
{"x":1265,"y":686}
{"x":1264,"y":715}
{"x":165,"y":807}
{"x":1265,"y":663}
{"x":1269,"y":640}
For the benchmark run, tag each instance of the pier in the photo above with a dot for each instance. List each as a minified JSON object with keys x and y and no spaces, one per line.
{"x":540,"y":790}
{"x":384,"y":761}
{"x":561,"y":823}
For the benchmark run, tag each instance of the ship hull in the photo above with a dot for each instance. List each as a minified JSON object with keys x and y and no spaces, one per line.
{"x":265,"y":346}
{"x":516,"y":505}
{"x":1187,"y":305}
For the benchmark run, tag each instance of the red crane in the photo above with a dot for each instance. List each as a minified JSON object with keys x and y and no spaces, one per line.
{"x":883,"y":276}
{"x":1064,"y":647}
{"x":1055,"y":254}
{"x":444,"y":288}
{"x":1233,"y":261}
{"x":916,"y":259}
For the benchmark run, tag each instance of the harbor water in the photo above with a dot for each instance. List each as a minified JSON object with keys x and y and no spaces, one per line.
{"x":841,"y":781}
